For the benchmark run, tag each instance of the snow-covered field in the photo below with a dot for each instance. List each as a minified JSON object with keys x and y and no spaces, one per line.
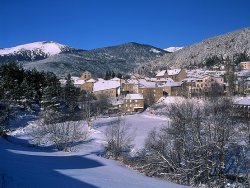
{"x":24,"y":166}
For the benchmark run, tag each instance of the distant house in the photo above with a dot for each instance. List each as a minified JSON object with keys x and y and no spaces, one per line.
{"x":86,"y":75}
{"x":175,"y":74}
{"x":108,"y":88}
{"x":129,"y":86}
{"x":242,"y":105}
{"x":89,"y":85}
{"x":199,"y":85}
{"x":132,"y":103}
{"x":152,"y":90}
{"x":79,"y":83}
{"x":245,"y":65}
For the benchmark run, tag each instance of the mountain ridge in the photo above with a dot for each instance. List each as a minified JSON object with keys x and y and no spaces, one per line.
{"x":121,"y":58}
{"x":225,"y":45}
{"x":130,"y":57}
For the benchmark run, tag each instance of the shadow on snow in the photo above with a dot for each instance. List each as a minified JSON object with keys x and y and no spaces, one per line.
{"x":24,"y":167}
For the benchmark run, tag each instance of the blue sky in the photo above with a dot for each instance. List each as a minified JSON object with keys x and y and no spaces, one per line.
{"x":89,"y":24}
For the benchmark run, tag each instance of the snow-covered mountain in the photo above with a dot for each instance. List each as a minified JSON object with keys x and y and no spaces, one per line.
{"x":33,"y":51}
{"x":62,"y":60}
{"x":226,"y":45}
{"x":173,"y":49}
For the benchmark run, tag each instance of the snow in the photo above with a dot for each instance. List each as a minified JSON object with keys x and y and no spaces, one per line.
{"x":24,"y":166}
{"x":116,"y":79}
{"x":91,"y":80}
{"x":154,"y":50}
{"x":146,"y":84}
{"x":133,"y":81}
{"x":79,"y":82}
{"x":106,"y":84}
{"x":134,"y":96}
{"x":168,"y":80}
{"x":242,"y":101}
{"x":162,"y":73}
{"x":49,"y":48}
{"x":169,"y":72}
{"x":173,"y":49}
{"x":173,"y":71}
{"x":170,"y":100}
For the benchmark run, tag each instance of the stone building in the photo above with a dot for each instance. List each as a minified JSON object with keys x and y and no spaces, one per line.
{"x":132,"y":103}
{"x":175,"y":74}
{"x":86,"y":75}
{"x":108,"y":88}
{"x":245,"y":65}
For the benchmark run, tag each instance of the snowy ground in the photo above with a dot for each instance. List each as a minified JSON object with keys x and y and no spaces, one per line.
{"x":24,"y":166}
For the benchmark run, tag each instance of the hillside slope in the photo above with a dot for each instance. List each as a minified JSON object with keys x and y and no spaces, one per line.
{"x":122,"y":58}
{"x":223,"y":45}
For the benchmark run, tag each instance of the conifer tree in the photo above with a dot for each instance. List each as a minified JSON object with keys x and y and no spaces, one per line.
{"x":70,"y":95}
{"x":50,"y":104}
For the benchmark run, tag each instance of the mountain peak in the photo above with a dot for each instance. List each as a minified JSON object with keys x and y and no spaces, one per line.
{"x":47,"y":48}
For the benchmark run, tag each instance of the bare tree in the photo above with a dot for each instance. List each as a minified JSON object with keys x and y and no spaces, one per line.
{"x":200,"y":146}
{"x":119,"y":138}
{"x":230,"y":76}
{"x":64,"y":135}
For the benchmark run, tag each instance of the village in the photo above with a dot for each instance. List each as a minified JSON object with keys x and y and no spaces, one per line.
{"x":137,"y":93}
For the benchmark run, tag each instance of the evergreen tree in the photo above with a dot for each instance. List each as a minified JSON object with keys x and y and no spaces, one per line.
{"x":108,"y":75}
{"x":113,"y":74}
{"x":50,"y":104}
{"x":70,"y":95}
{"x":119,"y":75}
{"x":4,"y":117}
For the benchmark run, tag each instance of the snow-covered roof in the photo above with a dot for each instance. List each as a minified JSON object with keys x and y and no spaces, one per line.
{"x":79,"y":82}
{"x":242,"y":101}
{"x":115,"y":79}
{"x":146,"y":84}
{"x":132,"y":81}
{"x":74,"y":78}
{"x":162,"y":73}
{"x":173,"y":71}
{"x":171,"y":84}
{"x":134,"y":96}
{"x":91,"y":80}
{"x":105,"y":84}
{"x":245,"y":62}
{"x":165,"y":80}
